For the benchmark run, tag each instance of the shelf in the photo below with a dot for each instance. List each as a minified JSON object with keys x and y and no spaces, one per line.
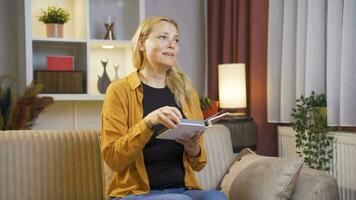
{"x":75,"y":97}
{"x":124,"y":14}
{"x":116,"y":57}
{"x":83,"y":40}
{"x":76,"y":27}
{"x":63,"y":40}
{"x":42,"y":49}
{"x":114,"y":43}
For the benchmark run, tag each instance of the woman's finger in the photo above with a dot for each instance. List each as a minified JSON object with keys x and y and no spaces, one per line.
{"x":196,"y":137}
{"x":166,"y":121}
{"x":187,"y":138}
{"x":171,"y":115}
{"x":182,"y":142}
{"x":177,"y":112}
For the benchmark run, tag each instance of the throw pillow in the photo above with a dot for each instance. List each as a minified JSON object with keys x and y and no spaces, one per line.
{"x":255,"y":177}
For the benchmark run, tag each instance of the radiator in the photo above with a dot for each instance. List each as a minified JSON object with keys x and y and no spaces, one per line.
{"x":343,"y":164}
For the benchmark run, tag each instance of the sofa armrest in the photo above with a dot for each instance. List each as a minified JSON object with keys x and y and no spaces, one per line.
{"x":315,"y":185}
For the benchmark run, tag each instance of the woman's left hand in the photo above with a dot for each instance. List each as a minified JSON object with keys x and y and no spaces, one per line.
{"x":191,"y":144}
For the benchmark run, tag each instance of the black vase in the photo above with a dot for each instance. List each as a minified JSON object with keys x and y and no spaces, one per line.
{"x":103,"y":80}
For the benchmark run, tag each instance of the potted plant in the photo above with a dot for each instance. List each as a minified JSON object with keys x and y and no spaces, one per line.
{"x":208,"y":106}
{"x":54,"y":18}
{"x":20,"y":113}
{"x":314,"y":143}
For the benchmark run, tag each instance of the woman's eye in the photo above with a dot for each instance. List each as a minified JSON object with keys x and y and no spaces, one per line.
{"x":162,"y":37}
{"x":177,"y":40}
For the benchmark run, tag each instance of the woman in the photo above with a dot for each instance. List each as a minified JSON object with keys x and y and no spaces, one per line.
{"x":137,"y":107}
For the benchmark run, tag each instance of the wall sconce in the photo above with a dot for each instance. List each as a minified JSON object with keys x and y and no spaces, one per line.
{"x":232,"y":87}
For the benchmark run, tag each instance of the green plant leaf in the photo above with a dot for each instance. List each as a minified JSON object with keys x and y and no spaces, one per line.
{"x":313,"y":142}
{"x":54,"y":14}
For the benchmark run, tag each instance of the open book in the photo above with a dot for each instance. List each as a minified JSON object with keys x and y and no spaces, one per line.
{"x":190,"y":127}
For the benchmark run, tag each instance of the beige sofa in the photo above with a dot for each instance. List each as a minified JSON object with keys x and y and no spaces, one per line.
{"x":67,"y":165}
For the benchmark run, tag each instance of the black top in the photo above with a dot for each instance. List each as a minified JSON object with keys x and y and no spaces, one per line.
{"x":163,"y":158}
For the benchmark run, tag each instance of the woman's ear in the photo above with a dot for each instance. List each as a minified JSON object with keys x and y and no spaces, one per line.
{"x":141,"y":44}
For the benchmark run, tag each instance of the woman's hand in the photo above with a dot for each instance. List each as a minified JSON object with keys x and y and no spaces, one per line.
{"x":168,"y":116}
{"x":191,"y":145}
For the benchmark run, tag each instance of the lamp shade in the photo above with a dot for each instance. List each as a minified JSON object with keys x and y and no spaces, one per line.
{"x":232,"y":86}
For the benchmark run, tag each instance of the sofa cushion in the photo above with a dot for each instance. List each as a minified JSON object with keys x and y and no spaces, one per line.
{"x":316,"y":185}
{"x":55,"y":165}
{"x":220,"y":156}
{"x":256,"y":177}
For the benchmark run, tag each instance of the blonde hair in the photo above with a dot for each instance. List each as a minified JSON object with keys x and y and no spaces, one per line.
{"x":176,"y":80}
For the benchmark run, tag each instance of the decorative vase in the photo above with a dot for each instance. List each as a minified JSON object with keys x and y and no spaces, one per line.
{"x":103,"y":80}
{"x":116,"y":67}
{"x":54,"y":30}
{"x":109,"y":27}
{"x":109,"y":35}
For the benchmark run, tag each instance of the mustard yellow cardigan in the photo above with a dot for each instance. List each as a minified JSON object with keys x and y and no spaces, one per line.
{"x":124,"y":135}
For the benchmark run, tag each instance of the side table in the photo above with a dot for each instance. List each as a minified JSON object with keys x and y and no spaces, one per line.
{"x":243,"y":132}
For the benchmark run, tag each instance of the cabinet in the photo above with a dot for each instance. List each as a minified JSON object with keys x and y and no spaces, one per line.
{"x":82,"y":39}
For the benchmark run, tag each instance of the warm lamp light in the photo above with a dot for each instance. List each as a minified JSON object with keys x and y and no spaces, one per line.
{"x":232,"y":86}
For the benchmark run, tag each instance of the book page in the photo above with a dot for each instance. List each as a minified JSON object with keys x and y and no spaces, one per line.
{"x":190,"y":127}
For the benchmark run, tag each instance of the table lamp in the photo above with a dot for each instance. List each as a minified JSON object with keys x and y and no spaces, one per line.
{"x":232,"y":88}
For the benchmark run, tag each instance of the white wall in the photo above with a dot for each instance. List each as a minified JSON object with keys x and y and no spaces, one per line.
{"x":190,"y":17}
{"x":8,"y":39}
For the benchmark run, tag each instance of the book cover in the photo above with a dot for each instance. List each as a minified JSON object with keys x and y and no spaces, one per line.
{"x":60,"y":63}
{"x":190,"y":127}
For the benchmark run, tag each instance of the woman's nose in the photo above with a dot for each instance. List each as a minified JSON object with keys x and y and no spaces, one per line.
{"x":172,"y":44}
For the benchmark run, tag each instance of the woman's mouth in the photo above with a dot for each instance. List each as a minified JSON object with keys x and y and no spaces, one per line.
{"x":168,"y":54}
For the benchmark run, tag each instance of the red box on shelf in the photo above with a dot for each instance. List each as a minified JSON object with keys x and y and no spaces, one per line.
{"x":60,"y":63}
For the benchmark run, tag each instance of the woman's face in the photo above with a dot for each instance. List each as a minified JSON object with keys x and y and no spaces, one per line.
{"x":161,"y":46}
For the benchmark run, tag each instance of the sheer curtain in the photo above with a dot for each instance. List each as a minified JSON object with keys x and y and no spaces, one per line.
{"x":312,"y":47}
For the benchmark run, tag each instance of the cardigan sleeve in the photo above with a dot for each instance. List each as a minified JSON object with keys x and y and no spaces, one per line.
{"x":120,"y":145}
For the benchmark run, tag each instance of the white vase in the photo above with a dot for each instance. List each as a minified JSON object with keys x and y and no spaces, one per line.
{"x":54,"y":30}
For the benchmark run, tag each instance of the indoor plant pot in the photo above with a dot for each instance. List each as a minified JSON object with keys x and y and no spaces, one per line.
{"x":208,"y":106}
{"x":54,"y":18}
{"x":54,"y":30}
{"x":214,"y":108}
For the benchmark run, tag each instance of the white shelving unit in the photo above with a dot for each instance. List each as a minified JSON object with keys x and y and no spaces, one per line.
{"x":77,"y":97}
{"x":83,"y":39}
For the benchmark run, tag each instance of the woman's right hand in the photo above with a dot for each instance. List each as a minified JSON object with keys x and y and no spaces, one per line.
{"x":168,"y":116}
